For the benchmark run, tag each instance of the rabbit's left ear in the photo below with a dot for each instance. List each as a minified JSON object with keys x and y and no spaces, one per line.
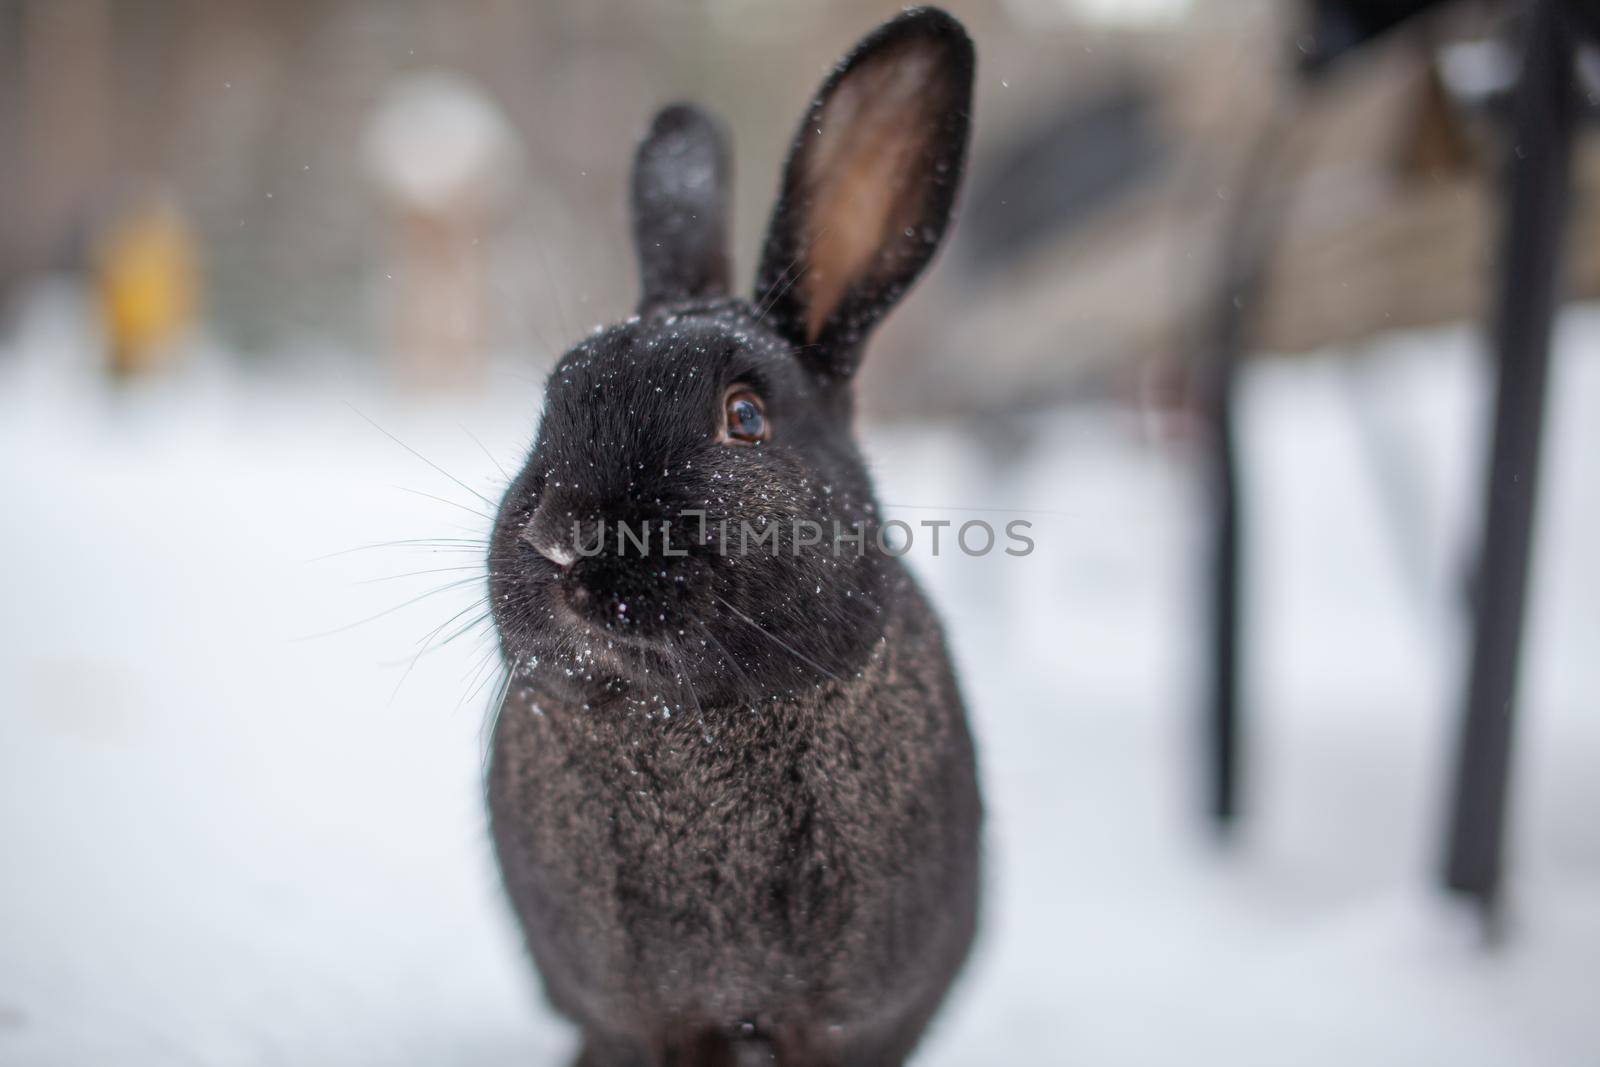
{"x":868,"y":186}
{"x":680,"y":207}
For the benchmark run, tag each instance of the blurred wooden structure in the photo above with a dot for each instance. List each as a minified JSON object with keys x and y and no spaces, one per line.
{"x":1389,"y":225}
{"x":446,"y":161}
{"x":251,"y":111}
{"x":1533,"y":232}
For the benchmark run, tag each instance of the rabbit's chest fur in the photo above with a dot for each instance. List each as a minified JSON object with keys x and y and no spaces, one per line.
{"x":727,"y":861}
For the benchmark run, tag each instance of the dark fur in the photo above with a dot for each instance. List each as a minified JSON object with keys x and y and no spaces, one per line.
{"x":733,"y":795}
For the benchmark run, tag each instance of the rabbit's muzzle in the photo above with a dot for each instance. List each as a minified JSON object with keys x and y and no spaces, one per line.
{"x":627,"y":575}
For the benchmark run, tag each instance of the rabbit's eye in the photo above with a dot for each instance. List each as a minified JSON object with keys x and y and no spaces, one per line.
{"x":744,"y":416}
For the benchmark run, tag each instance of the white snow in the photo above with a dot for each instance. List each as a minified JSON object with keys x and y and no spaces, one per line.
{"x":227,"y":841}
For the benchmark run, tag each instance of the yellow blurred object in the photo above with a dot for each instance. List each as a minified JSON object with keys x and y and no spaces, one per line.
{"x":147,"y":281}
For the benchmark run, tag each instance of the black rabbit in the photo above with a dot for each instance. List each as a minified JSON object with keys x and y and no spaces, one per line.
{"x":731,"y":786}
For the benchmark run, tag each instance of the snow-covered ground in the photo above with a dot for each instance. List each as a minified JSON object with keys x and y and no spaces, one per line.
{"x":231,"y":836}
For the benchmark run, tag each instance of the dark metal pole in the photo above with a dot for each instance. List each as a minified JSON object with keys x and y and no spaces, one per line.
{"x":1223,"y":739}
{"x":1249,"y":237}
{"x":1537,"y":191}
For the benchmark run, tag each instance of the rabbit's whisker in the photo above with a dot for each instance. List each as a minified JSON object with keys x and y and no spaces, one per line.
{"x":426,"y":646}
{"x":732,"y":661}
{"x":436,"y":544}
{"x":417,"y":574}
{"x":682,"y":679}
{"x":486,"y":668}
{"x":492,"y":720}
{"x":770,"y":299}
{"x":388,"y":611}
{"x":780,"y":642}
{"x":420,"y":456}
{"x":446,"y":500}
{"x":487,"y":454}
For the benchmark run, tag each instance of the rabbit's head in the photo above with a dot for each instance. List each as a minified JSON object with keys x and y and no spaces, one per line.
{"x":694,"y":508}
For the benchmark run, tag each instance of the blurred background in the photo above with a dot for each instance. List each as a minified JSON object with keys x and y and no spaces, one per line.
{"x":279,"y":283}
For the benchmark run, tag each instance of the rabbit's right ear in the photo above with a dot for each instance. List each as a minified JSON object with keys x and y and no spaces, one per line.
{"x":868,"y":187}
{"x":680,"y":207}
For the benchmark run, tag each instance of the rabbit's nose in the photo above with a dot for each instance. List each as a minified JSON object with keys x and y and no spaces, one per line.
{"x":550,"y":532}
{"x":560,"y":555}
